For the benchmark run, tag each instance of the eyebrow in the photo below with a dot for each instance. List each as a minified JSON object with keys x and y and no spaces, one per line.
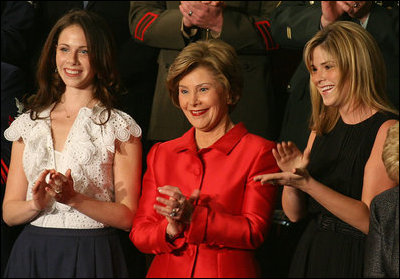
{"x":329,"y":61}
{"x":324,"y":63}
{"x":70,"y":46}
{"x":199,"y":85}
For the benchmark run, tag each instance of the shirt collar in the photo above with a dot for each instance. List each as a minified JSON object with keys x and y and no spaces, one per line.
{"x":225,"y":144}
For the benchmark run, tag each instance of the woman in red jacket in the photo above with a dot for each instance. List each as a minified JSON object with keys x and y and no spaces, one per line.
{"x":201,"y":212}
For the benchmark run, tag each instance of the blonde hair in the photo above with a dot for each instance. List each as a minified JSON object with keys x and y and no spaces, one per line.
{"x":390,"y":153}
{"x":360,"y":62}
{"x":217,"y":56}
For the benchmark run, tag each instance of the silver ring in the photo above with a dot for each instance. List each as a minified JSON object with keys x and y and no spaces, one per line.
{"x":57,"y":191}
{"x":174,"y":212}
{"x":190,"y":13}
{"x":356,"y":4}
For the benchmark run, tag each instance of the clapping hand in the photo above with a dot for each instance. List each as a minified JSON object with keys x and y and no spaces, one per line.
{"x":292,"y":162}
{"x":289,"y":157}
{"x":203,"y":14}
{"x":61,"y":187}
{"x":41,"y":197}
{"x":297,"y":178}
{"x":177,"y":208}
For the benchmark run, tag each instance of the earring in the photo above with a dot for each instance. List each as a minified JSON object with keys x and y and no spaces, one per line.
{"x":55,"y":70}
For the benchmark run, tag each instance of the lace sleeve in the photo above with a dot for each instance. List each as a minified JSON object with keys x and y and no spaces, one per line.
{"x":19,"y":128}
{"x":120,"y":127}
{"x":124,"y":126}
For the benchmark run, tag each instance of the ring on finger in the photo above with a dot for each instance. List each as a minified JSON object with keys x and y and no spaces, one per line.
{"x":356,"y":4}
{"x":174,"y":212}
{"x":57,"y":191}
{"x":190,"y":13}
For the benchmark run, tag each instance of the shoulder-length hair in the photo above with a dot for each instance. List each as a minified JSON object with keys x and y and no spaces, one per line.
{"x":360,"y":63}
{"x":216,"y":55}
{"x":101,"y":48}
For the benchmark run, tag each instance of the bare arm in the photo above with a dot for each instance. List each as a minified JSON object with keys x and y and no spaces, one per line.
{"x":16,"y":210}
{"x":293,"y":199}
{"x":349,"y":210}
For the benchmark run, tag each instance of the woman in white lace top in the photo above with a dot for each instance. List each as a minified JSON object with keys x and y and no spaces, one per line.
{"x":75,"y":167}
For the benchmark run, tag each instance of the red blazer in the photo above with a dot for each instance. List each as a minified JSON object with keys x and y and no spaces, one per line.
{"x":231,"y":217}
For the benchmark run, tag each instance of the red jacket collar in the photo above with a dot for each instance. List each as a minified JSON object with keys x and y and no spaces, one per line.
{"x":225,"y":144}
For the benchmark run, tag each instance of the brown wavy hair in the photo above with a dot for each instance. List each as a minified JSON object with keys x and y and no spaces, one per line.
{"x":101,"y":48}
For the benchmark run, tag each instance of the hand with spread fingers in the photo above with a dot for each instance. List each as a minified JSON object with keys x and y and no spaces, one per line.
{"x":289,"y":157}
{"x":177,"y":208}
{"x":61,"y":186}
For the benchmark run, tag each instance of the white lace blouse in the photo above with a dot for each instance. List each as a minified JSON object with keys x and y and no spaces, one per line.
{"x":88,"y":152}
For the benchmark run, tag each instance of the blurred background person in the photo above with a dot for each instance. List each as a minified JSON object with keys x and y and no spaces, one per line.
{"x":382,"y":245}
{"x":17,"y":22}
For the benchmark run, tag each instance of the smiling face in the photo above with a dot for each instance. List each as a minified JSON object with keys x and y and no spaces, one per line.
{"x":326,"y":77}
{"x":72,"y":58}
{"x":203,"y":100}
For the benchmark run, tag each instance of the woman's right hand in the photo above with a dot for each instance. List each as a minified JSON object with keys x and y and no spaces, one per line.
{"x":289,"y":157}
{"x":41,"y":198}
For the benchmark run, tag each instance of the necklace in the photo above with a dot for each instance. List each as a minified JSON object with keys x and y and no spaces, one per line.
{"x":68,"y":115}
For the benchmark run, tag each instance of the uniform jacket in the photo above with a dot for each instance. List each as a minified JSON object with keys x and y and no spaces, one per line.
{"x":231,"y":217}
{"x":382,"y":246}
{"x":245,"y":27}
{"x":294,"y":23}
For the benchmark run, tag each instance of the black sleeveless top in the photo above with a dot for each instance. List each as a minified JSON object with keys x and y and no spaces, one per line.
{"x":338,"y":159}
{"x":328,"y":246}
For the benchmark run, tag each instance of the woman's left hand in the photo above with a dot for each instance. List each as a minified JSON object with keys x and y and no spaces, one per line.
{"x":177,"y":208}
{"x":297,"y":178}
{"x":62,"y":186}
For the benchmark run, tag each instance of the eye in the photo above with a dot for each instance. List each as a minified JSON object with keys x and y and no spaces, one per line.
{"x":63,"y":49}
{"x":183,"y":91}
{"x":203,"y":89}
{"x":313,"y":69}
{"x":327,"y":67}
{"x":84,"y":51}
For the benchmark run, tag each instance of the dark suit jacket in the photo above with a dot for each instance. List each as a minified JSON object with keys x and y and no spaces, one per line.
{"x":294,"y":23}
{"x":17,"y":21}
{"x":382,"y":245}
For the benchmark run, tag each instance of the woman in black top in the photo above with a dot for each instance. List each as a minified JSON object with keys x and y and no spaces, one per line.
{"x":341,"y":170}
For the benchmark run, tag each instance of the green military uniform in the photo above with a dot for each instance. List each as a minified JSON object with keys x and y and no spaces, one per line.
{"x":245,"y":27}
{"x":294,"y":23}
